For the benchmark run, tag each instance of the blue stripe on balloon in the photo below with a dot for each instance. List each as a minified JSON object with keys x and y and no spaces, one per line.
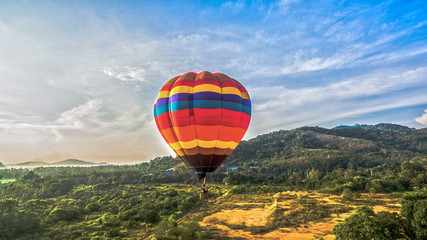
{"x":161,"y":101}
{"x":181,"y":97}
{"x":204,"y":100}
{"x":203,"y":104}
{"x":208,"y":104}
{"x":247,"y":102}
{"x":247,"y":110}
{"x":209,"y":96}
{"x":181,"y":105}
{"x":212,"y":104}
{"x":232,"y":98}
{"x":160,"y":109}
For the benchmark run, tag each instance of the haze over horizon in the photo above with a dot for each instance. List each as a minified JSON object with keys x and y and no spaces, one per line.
{"x":79,"y":79}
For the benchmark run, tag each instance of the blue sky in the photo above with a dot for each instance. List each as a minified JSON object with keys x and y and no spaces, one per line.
{"x":79,"y":78}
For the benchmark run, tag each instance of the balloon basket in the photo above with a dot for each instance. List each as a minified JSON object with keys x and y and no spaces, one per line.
{"x":204,"y":195}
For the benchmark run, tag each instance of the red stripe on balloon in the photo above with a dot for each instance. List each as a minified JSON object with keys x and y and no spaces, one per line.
{"x":206,"y":81}
{"x":243,"y":89}
{"x":229,"y":84}
{"x":205,"y":133}
{"x":166,"y":88}
{"x":245,"y":121}
{"x":184,"y":82}
{"x":182,"y":118}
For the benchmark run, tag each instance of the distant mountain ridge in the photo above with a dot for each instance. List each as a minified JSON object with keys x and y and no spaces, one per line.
{"x":1,"y":165}
{"x":379,"y":126}
{"x":73,"y":162}
{"x":67,"y":162}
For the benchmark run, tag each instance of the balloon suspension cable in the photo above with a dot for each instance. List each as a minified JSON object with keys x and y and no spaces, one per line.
{"x":204,"y":188}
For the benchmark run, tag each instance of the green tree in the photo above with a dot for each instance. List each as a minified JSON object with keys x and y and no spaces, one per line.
{"x":62,"y":215}
{"x":169,"y":229}
{"x":8,"y":205}
{"x":366,"y":225}
{"x":37,"y":206}
{"x":414,"y":210}
{"x":347,"y":195}
{"x":15,"y":223}
{"x":30,"y":175}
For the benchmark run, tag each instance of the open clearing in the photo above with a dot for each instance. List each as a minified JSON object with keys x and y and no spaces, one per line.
{"x":249,"y":216}
{"x":6,"y":181}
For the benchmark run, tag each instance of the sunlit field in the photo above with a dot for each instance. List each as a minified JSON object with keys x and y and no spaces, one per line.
{"x":7,"y":180}
{"x":287,"y":215}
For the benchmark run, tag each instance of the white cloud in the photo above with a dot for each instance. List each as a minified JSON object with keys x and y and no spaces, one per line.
{"x":234,"y":5}
{"x":306,"y":61}
{"x":365,"y":85}
{"x":423,"y":119}
{"x":126,"y":73}
{"x":85,"y":116}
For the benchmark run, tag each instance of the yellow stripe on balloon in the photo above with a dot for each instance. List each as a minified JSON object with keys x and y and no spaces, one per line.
{"x":181,"y":89}
{"x":245,"y":95}
{"x":231,"y":90}
{"x":204,"y":144}
{"x":207,"y":88}
{"x":163,"y":94}
{"x":189,"y":144}
{"x":203,"y":88}
{"x":180,"y":152}
{"x":222,"y":144}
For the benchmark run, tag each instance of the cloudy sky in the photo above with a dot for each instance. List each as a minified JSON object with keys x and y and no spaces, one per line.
{"x":78,"y":78}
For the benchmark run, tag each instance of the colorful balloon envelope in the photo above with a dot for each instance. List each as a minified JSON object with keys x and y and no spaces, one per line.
{"x":203,"y":117}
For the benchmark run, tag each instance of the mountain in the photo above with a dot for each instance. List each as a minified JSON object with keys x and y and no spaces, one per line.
{"x":307,"y":148}
{"x":1,"y":165}
{"x":67,"y":162}
{"x":71,"y":162}
{"x":29,"y":164}
{"x":380,"y":126}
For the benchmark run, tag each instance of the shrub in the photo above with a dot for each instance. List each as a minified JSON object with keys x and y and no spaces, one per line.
{"x":366,"y":225}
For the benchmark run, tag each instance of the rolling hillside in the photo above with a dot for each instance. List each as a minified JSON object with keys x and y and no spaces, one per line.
{"x":326,"y":149}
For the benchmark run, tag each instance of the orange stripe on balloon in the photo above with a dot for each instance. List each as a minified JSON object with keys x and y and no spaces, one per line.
{"x":169,"y":133}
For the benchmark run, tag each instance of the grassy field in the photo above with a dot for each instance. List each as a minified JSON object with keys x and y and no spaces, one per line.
{"x":6,"y":181}
{"x":285,"y":215}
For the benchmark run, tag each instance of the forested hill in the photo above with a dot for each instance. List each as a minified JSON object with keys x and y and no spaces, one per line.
{"x":1,"y":165}
{"x":327,"y":149}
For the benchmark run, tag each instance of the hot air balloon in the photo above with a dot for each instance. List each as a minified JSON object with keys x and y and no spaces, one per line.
{"x":203,"y":117}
